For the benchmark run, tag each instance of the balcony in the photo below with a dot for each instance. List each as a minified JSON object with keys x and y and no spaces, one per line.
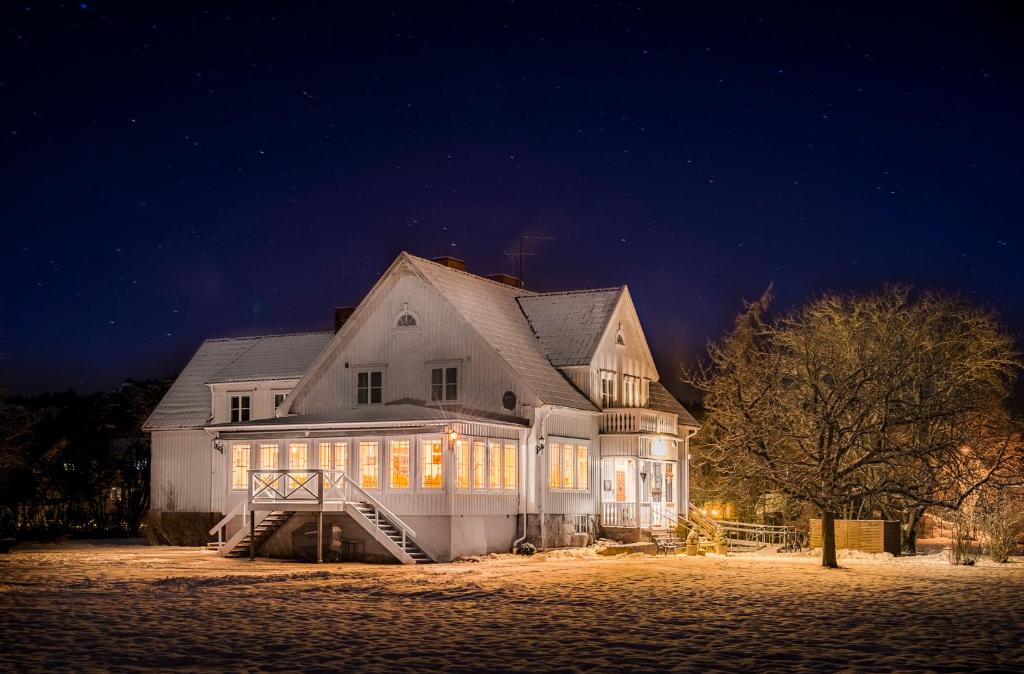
{"x":637,"y":420}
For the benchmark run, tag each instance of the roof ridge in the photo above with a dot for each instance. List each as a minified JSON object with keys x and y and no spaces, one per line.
{"x":277,"y":334}
{"x":472,"y":275}
{"x":581,"y":291}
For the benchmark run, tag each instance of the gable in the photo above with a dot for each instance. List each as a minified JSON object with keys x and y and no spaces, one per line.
{"x":633,"y":356}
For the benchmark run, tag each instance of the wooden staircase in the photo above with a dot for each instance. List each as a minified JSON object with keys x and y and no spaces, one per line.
{"x":397,"y":541}
{"x":267,"y":526}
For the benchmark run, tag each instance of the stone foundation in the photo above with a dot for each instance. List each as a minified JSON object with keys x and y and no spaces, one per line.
{"x":559,"y":531}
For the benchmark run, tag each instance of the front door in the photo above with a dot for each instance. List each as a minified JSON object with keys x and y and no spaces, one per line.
{"x":658,"y":483}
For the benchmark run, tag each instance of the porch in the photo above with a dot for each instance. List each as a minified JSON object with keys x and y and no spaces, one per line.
{"x":638,"y":495}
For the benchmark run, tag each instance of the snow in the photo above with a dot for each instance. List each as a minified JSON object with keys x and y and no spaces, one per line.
{"x":79,"y":607}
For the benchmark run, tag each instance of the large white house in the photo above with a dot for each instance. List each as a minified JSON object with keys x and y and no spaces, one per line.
{"x":448,"y":414}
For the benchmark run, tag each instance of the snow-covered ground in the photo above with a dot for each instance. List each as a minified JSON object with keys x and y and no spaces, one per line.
{"x":102,"y":607}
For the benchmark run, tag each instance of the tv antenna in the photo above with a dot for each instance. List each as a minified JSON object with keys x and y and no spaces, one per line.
{"x":523,"y":253}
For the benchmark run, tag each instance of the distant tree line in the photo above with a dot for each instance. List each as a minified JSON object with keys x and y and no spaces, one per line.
{"x":77,"y":464}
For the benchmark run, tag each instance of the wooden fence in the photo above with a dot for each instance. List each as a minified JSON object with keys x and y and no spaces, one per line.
{"x":865,"y":535}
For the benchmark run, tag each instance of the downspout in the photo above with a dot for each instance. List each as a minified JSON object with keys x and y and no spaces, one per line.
{"x":543,"y":481}
{"x":524,"y":491}
{"x":524,"y":508}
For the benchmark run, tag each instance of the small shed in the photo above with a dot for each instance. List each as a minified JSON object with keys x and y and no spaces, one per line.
{"x":864,"y":535}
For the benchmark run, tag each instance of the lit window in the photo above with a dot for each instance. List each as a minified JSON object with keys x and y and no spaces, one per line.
{"x":582,"y":467}
{"x":494,"y":465}
{"x":479,"y":465}
{"x":333,"y":458}
{"x":369,"y":470}
{"x":554,"y":465}
{"x":431,"y":464}
{"x":406,"y":320}
{"x":444,"y":384}
{"x":239,"y":408}
{"x":240,"y":466}
{"x":370,"y":387}
{"x":631,"y":390}
{"x":511,"y":457}
{"x":607,"y":389}
{"x":399,"y":464}
{"x":462,"y":464}
{"x":568,"y":467}
{"x":298,"y":462}
{"x":268,"y":457}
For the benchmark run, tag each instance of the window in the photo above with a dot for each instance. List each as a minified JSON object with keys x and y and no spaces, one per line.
{"x":239,"y":408}
{"x":568,"y":466}
{"x":631,"y":390}
{"x":370,"y":387}
{"x":462,"y":464}
{"x":479,"y":465}
{"x":406,"y":320}
{"x":444,"y":384}
{"x":511,"y":459}
{"x":268,"y":456}
{"x":369,"y":470}
{"x":582,"y":467}
{"x":431,"y":464}
{"x":554,"y":465}
{"x":399,"y":464}
{"x":298,"y":460}
{"x":240,"y":466}
{"x":334,"y":458}
{"x":494,"y":465}
{"x":607,"y":389}
{"x":278,"y":399}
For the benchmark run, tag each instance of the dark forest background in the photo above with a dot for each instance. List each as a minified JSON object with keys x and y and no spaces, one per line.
{"x":76,"y":464}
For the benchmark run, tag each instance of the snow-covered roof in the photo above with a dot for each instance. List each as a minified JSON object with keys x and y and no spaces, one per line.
{"x":569,"y":325}
{"x":401,"y":411}
{"x":275,"y":357}
{"x":491,"y":308}
{"x":662,"y":400}
{"x":187,"y":403}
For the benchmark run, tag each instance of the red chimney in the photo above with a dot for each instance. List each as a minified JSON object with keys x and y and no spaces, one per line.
{"x":449,"y":261}
{"x":507,"y":279}
{"x":341,"y":315}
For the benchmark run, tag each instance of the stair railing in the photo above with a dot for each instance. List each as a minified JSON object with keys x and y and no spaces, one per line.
{"x":241,"y":509}
{"x":379,"y":508}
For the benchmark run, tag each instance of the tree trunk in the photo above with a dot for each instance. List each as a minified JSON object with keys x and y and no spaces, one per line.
{"x":828,"y":540}
{"x":909,"y":527}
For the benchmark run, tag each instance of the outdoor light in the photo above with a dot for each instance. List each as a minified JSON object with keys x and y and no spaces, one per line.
{"x":452,"y":435}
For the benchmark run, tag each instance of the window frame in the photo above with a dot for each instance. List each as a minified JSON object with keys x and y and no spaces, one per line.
{"x":237,"y":412}
{"x":608,"y":397}
{"x":410,"y":478}
{"x":369,"y":371}
{"x":359,"y":460}
{"x":567,"y":454}
{"x":424,"y":446}
{"x":446,"y":368}
{"x":246,"y":447}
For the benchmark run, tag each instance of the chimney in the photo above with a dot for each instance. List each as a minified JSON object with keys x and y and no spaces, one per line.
{"x":449,"y":261}
{"x":507,"y":279}
{"x":341,"y":315}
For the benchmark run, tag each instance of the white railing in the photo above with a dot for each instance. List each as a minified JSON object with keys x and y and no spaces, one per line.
{"x":278,"y":488}
{"x":218,"y":528}
{"x":619,"y":515}
{"x":637,"y":420}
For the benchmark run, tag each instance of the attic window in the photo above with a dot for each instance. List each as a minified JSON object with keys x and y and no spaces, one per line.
{"x":619,"y":339}
{"x":406,"y":318}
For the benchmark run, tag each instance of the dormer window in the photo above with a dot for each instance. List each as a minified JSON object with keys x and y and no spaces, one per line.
{"x":239,"y":408}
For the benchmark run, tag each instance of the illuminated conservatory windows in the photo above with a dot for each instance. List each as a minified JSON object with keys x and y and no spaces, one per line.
{"x":240,"y":466}
{"x":431,"y":464}
{"x":369,"y":465}
{"x":399,"y":464}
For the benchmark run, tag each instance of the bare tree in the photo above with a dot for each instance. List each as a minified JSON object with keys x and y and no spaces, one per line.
{"x":854,"y":398}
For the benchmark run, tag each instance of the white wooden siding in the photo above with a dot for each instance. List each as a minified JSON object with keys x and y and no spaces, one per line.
{"x":405,"y":354}
{"x":633,"y":358}
{"x":261,"y":394}
{"x":180,"y":472}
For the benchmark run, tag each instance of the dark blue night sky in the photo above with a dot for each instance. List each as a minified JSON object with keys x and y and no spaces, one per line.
{"x":176,"y":173}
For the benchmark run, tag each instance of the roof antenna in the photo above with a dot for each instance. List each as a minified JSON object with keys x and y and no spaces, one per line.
{"x":523,"y":253}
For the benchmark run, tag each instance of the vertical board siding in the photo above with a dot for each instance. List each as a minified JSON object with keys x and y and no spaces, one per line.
{"x":405,"y":354}
{"x":180,"y":472}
